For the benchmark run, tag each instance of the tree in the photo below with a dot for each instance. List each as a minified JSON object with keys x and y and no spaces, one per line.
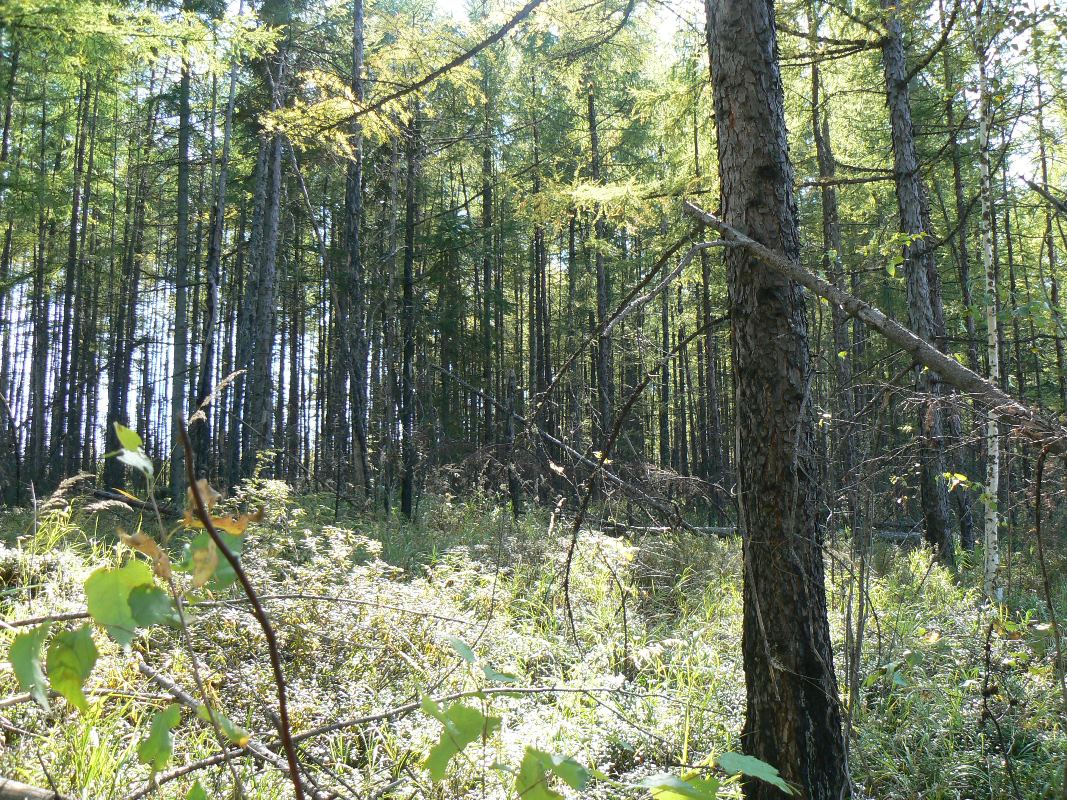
{"x":793,"y":715}
{"x":919,"y":267}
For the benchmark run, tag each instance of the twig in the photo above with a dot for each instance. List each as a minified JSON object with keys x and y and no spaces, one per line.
{"x":257,"y":608}
{"x":987,"y":713}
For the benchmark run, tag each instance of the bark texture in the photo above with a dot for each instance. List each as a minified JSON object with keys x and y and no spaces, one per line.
{"x":793,"y":717}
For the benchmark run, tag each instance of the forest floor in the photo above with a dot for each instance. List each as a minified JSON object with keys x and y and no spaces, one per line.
{"x":371,"y":612}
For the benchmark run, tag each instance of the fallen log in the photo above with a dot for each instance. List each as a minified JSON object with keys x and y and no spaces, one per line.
{"x":1039,"y":427}
{"x":137,"y":505}
{"x":13,"y":790}
{"x":622,"y":529}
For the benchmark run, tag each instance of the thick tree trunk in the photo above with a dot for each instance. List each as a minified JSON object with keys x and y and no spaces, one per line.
{"x":793,"y":717}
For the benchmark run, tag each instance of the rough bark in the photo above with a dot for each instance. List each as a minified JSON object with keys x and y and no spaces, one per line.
{"x":918,"y":265}
{"x":793,"y":716}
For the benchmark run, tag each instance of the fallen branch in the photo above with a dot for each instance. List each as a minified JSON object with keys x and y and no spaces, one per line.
{"x":258,"y":751}
{"x":325,"y":598}
{"x":137,"y":505}
{"x":13,"y":790}
{"x":610,"y":477}
{"x":1055,"y":202}
{"x":1042,"y":429}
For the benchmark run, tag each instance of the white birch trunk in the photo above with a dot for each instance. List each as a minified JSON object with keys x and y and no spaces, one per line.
{"x":990,"y":583}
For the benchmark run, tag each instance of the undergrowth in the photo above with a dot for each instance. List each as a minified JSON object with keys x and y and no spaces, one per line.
{"x":372,"y":613}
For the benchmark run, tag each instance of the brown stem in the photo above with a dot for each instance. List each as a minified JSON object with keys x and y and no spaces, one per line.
{"x":257,"y":610}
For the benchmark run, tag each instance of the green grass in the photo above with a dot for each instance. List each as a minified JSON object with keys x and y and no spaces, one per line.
{"x":668,"y":672}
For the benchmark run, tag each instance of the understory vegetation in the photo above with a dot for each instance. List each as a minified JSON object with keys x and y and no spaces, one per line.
{"x":953,"y":700}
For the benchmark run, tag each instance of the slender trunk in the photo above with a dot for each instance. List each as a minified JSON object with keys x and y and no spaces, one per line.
{"x":64,"y":387}
{"x":356,"y":314}
{"x":991,"y":582}
{"x":487,"y":265}
{"x":918,"y":265}
{"x":125,"y":320}
{"x":605,"y":382}
{"x":409,"y":452}
{"x":201,"y":431}
{"x":834,"y":269}
{"x":180,"y":362}
{"x":9,"y":446}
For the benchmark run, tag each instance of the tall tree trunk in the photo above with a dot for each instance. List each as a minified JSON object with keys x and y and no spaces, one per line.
{"x":793,"y":717}
{"x":10,"y":477}
{"x":605,"y":381}
{"x":125,"y":320}
{"x":409,"y":452}
{"x":356,"y":315}
{"x":991,"y":579}
{"x":834,"y":269}
{"x":201,"y":431}
{"x":918,"y":265}
{"x":1050,"y":248}
{"x":180,"y":363}
{"x":64,"y":386}
{"x":487,"y":264}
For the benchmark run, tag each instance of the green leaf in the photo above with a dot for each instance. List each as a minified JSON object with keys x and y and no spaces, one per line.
{"x":136,"y":459}
{"x":156,"y":749}
{"x":71,"y":657}
{"x":531,"y":783}
{"x":128,"y":438}
{"x":735,"y":763}
{"x":671,"y":787}
{"x":236,"y":734}
{"x":131,"y":454}
{"x":499,"y":677}
{"x":463,"y":649}
{"x":462,"y":725}
{"x":196,"y":792}
{"x":199,"y":552}
{"x":107,"y":593}
{"x":150,"y":605}
{"x":25,"y":656}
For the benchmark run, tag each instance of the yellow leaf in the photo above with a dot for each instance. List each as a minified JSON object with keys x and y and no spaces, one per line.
{"x":207,"y":494}
{"x":145,"y":544}
{"x":932,"y":636}
{"x":236,"y":526}
{"x":205,"y":562}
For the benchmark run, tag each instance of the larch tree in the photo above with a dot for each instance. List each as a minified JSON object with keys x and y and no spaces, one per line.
{"x":793,"y":714}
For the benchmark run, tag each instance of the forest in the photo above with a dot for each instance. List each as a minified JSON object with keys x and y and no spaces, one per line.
{"x":571,"y":399}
